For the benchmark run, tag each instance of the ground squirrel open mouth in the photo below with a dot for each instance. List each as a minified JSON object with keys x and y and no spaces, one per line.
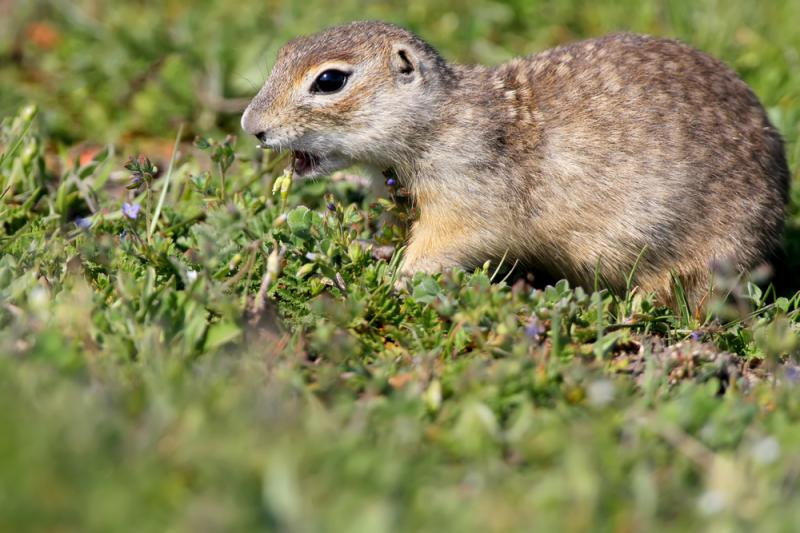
{"x":304,"y":162}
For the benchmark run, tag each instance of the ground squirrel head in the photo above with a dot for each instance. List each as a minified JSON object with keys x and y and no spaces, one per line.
{"x":353,"y":93}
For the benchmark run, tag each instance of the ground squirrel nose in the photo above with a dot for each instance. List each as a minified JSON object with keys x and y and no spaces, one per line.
{"x":262,"y":136}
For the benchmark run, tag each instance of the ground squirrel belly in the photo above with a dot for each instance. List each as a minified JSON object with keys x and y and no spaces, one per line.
{"x":578,"y":159}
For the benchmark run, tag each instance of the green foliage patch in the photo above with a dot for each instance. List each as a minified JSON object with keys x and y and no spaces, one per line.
{"x":191,"y":340}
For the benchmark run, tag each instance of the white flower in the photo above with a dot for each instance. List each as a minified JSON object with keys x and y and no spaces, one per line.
{"x":711,"y":502}
{"x":766,"y":450}
{"x":600,"y":393}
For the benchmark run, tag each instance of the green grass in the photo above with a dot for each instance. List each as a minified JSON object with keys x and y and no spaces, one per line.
{"x":231,"y":360}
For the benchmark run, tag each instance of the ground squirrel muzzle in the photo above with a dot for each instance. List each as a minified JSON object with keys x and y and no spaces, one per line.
{"x":589,"y":159}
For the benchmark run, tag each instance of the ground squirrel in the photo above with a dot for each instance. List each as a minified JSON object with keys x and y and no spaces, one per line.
{"x":592,"y":158}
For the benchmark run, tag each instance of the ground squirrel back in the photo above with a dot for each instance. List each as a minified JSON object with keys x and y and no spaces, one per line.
{"x":584,"y":160}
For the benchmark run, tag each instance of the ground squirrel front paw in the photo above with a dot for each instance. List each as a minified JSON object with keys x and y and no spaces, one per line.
{"x":412,"y":263}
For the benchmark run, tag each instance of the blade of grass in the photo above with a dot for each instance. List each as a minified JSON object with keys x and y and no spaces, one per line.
{"x":499,"y":266}
{"x":629,"y":279}
{"x":167,"y":180}
{"x":680,"y":298}
{"x":12,"y":152}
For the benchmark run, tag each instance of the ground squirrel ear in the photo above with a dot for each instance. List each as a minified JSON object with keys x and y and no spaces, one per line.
{"x":405,"y":64}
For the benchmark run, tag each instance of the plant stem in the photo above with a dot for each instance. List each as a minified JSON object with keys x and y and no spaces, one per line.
{"x":167,"y":180}
{"x":222,"y":182}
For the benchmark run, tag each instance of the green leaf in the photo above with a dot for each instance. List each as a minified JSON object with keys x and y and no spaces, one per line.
{"x":426,"y":290}
{"x":221,"y":333}
{"x":299,"y":219}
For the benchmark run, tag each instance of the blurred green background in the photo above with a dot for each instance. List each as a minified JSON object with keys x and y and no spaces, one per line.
{"x":137,"y":393}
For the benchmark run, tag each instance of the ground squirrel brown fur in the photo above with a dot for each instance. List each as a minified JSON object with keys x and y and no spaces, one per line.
{"x":593,"y":157}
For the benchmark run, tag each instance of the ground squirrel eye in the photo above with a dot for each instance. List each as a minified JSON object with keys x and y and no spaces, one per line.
{"x":329,"y":81}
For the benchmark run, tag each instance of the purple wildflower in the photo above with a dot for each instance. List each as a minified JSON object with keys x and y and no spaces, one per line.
{"x":534,"y":328}
{"x":391,"y":182}
{"x":793,"y":374}
{"x":83,"y":222}
{"x":696,"y":335}
{"x":136,"y":180}
{"x":331,"y":206}
{"x":131,"y":210}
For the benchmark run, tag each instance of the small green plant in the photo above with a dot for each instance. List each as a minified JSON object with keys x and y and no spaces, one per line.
{"x":222,"y":155}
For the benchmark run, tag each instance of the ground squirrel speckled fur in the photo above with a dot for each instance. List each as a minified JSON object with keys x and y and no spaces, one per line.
{"x":600,"y":155}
